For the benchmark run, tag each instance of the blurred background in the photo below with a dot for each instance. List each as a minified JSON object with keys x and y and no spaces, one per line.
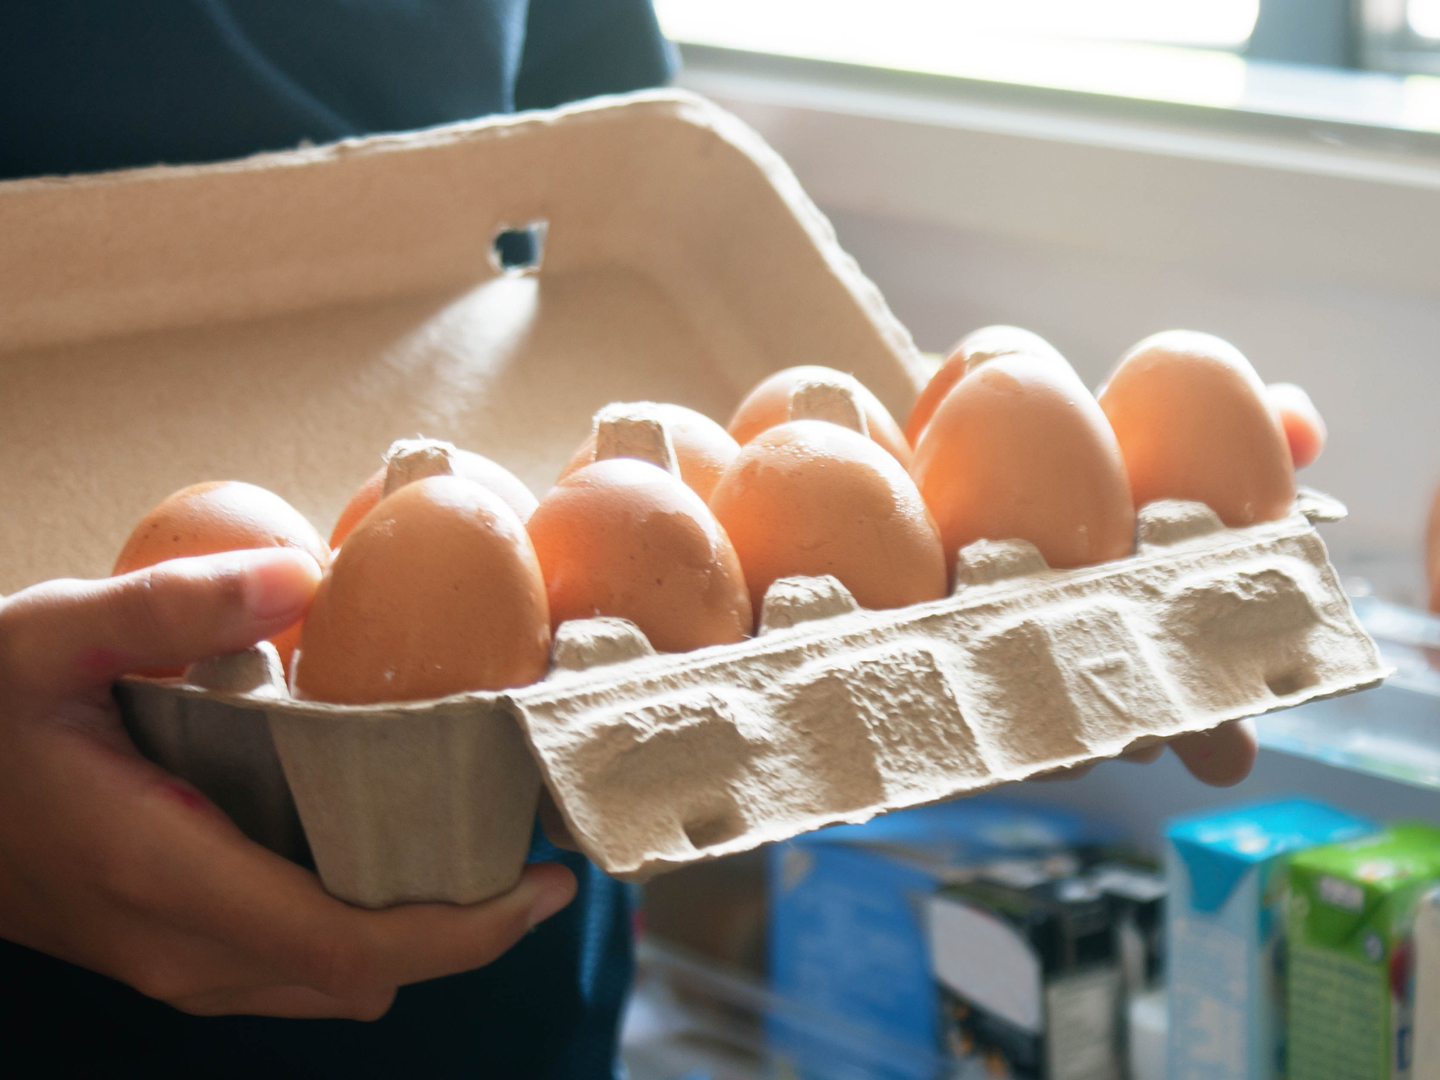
{"x":1096,"y":171}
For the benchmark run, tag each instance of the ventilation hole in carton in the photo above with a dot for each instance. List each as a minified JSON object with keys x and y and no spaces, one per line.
{"x":1290,"y":682}
{"x":714,"y":828}
{"x":519,"y":250}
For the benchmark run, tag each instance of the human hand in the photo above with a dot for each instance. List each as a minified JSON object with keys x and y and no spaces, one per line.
{"x":1221,"y":757}
{"x":110,"y":862}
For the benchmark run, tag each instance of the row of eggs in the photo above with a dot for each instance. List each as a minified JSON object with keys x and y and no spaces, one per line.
{"x":445,"y":574}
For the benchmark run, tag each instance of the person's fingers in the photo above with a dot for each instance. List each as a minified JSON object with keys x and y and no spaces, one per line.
{"x":266,"y":907}
{"x":116,"y":828}
{"x":1221,"y":757}
{"x":415,"y":942}
{"x":68,"y":636}
{"x":152,"y":956}
{"x":292,"y":1002}
{"x":350,"y":960}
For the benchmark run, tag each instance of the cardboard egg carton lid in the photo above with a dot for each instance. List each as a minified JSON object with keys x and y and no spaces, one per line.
{"x":284,"y":318}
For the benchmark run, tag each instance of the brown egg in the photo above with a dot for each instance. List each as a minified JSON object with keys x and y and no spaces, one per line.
{"x":435,"y":592}
{"x":702,"y":447}
{"x":221,"y":515}
{"x":1304,"y":427}
{"x":1193,"y":423}
{"x":810,"y":497}
{"x":1020,"y":450}
{"x":769,"y":404}
{"x":471,"y":466}
{"x":969,"y":353}
{"x":627,"y":538}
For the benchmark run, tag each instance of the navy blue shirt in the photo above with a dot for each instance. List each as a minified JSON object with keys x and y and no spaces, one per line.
{"x":550,"y":1007}
{"x":88,"y":85}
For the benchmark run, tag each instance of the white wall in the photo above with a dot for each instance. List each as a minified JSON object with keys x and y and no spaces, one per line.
{"x":1318,"y":261}
{"x":1367,"y":358}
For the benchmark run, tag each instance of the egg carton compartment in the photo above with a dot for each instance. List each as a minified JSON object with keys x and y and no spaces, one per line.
{"x":831,"y":714}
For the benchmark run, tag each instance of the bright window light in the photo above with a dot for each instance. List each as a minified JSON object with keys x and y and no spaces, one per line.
{"x":1424,"y":17}
{"x":1420,"y":103}
{"x":1211,"y":23}
{"x":1098,"y":46}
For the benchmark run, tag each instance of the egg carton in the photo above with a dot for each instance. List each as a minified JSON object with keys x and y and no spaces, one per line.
{"x":830,"y":714}
{"x":294,"y":308}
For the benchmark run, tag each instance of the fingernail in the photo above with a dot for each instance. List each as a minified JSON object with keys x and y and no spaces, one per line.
{"x":548,"y":903}
{"x":279,"y":582}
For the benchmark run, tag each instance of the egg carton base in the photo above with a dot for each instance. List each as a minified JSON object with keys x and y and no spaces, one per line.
{"x":661,"y":761}
{"x":832,"y":715}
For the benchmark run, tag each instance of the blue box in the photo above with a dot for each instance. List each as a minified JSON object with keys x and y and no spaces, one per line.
{"x":1226,"y":879}
{"x":848,"y":941}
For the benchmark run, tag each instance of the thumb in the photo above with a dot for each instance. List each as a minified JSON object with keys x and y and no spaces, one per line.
{"x":68,"y":636}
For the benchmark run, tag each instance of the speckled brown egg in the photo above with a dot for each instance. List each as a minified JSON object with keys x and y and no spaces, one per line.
{"x":1019,"y":449}
{"x":436,"y":591}
{"x":1194,"y":423}
{"x":810,"y":497}
{"x":625,"y":538}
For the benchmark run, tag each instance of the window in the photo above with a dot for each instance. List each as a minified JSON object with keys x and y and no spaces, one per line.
{"x":1214,"y":53}
{"x":1401,"y":35}
{"x":895,"y":27}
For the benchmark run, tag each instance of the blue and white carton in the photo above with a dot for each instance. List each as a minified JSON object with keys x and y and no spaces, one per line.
{"x":1225,"y":952}
{"x":850,"y":944}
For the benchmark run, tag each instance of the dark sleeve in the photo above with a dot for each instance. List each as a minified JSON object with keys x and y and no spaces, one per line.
{"x":576,"y":49}
{"x":87,"y":85}
{"x":549,"y":1009}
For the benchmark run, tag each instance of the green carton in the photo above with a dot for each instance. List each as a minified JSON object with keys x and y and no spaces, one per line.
{"x":1351,"y":908}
